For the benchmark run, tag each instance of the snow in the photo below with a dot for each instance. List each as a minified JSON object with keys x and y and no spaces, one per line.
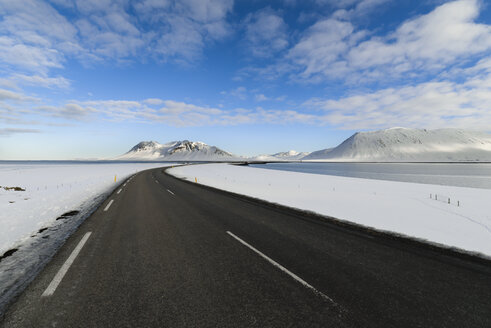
{"x":50,"y":191}
{"x":389,"y":145}
{"x":177,"y":151}
{"x":410,"y":145}
{"x":399,"y":207}
{"x":290,"y":155}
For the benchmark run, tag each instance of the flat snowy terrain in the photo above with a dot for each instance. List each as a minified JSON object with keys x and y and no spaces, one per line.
{"x":400,"y":207}
{"x":50,"y":191}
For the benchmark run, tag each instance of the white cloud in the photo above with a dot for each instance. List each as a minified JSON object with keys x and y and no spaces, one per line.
{"x":10,"y":95}
{"x":31,"y":58}
{"x":239,"y":92}
{"x":355,"y":9}
{"x":176,"y":107}
{"x":36,"y":36}
{"x":431,"y":104}
{"x":41,"y":81}
{"x":183,"y":39}
{"x":430,"y":41}
{"x":335,"y":49}
{"x":322,"y":48}
{"x":108,"y":31}
{"x":167,"y":112}
{"x":336,"y":3}
{"x":35,"y":22}
{"x":261,"y":97}
{"x":7,"y":95}
{"x":153,"y":101}
{"x":185,"y":27}
{"x":7,"y":83}
{"x":146,"y":7}
{"x":32,"y":34}
{"x":70,"y":111}
{"x":11,"y":131}
{"x":205,"y":10}
{"x":265,"y":33}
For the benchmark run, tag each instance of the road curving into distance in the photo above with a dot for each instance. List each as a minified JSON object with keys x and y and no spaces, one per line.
{"x":161,"y":252}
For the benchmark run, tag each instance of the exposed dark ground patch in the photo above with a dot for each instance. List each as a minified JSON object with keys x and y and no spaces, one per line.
{"x":13,"y":188}
{"x":18,"y":270}
{"x":67,"y":215}
{"x":176,"y":266}
{"x":8,"y":253}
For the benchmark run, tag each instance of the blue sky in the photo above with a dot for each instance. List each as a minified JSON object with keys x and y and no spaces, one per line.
{"x":91,"y":78}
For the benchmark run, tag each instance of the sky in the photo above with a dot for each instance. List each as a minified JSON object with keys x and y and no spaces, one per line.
{"x":85,"y":79}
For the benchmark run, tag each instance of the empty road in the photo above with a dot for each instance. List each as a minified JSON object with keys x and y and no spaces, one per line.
{"x":161,"y":252}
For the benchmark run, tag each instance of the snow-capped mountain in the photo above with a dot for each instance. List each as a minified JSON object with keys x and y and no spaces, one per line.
{"x":176,"y":150}
{"x":319,"y":154}
{"x":410,"y":145}
{"x":291,"y":155}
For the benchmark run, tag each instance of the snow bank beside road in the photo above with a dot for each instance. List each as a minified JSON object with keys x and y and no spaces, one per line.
{"x":50,"y":191}
{"x":400,"y":207}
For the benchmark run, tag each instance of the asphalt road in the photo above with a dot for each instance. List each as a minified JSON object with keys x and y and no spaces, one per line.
{"x":167,"y":253}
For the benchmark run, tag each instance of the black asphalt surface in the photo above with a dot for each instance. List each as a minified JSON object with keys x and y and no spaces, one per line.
{"x":161,"y":256}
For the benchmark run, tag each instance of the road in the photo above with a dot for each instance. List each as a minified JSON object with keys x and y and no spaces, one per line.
{"x":161,"y":252}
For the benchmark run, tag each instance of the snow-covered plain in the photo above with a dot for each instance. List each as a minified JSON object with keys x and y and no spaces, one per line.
{"x":50,"y":191}
{"x":399,"y":207}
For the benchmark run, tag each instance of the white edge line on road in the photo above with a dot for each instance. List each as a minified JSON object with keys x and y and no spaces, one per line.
{"x":119,"y":191}
{"x":170,"y":191}
{"x":64,"y":268}
{"x":108,"y":205}
{"x":282,"y":268}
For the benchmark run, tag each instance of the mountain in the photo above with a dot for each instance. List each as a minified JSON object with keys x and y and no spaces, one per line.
{"x":319,"y":154}
{"x":291,"y":155}
{"x":410,"y":145}
{"x":176,"y":150}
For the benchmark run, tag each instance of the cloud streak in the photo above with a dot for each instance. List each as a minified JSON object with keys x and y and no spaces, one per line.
{"x":11,"y":131}
{"x":37,"y":38}
{"x":265,"y":33}
{"x":431,"y":104}
{"x":334,"y":48}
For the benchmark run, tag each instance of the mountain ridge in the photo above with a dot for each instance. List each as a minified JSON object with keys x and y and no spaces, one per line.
{"x":290,"y":155}
{"x":176,"y":150}
{"x":410,"y":145}
{"x":389,"y":145}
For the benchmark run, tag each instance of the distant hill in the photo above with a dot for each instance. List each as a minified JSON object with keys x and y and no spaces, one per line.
{"x":390,"y":145}
{"x":176,"y":150}
{"x":291,"y":155}
{"x":410,"y":145}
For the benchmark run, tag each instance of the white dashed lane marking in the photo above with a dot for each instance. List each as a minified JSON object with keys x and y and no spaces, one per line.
{"x":64,"y":268}
{"x":282,"y":268}
{"x":108,"y":205}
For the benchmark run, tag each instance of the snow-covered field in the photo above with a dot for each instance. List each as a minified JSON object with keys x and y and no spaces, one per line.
{"x":50,"y":191}
{"x":400,"y":207}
